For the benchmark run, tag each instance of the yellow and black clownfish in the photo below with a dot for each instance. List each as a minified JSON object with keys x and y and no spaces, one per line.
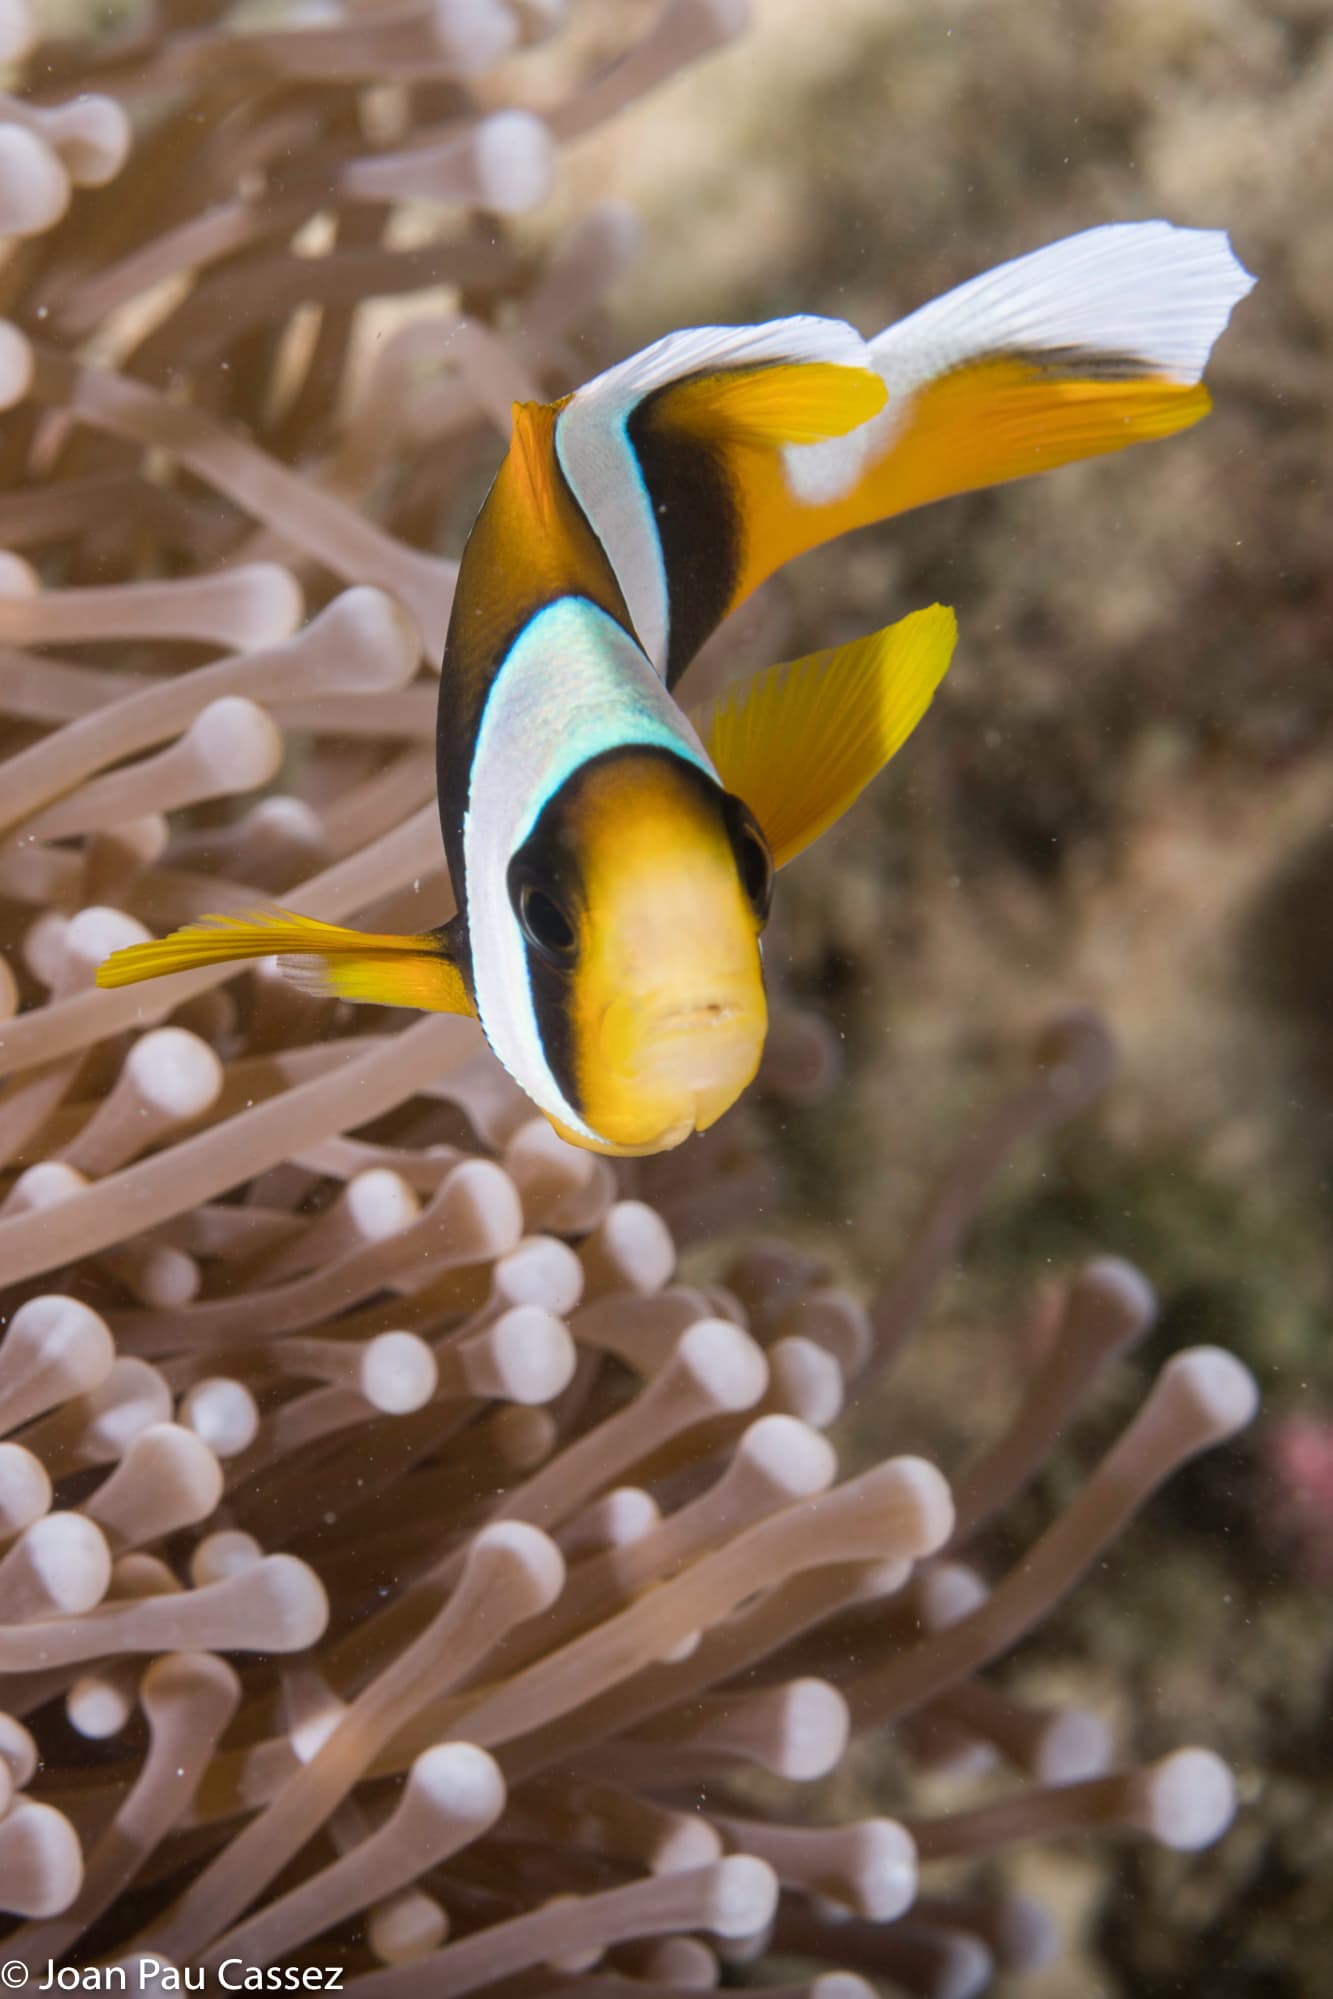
{"x":612,"y":855}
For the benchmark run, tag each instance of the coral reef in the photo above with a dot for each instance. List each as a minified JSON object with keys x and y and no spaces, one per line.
{"x":405,"y":1564}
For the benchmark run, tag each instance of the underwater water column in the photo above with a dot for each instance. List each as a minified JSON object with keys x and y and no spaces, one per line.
{"x":402,"y":1565}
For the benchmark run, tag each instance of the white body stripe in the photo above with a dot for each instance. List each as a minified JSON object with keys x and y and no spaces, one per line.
{"x":598,"y":459}
{"x":573,"y":685}
{"x":1145,"y":290}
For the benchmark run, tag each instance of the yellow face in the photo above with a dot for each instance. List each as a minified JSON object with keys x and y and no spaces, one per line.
{"x":663,"y":881}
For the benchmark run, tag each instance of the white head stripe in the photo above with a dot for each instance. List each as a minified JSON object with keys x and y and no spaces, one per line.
{"x":572,"y":686}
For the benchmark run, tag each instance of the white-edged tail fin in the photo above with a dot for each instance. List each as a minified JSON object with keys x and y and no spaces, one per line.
{"x":1146,"y":293}
{"x":719,"y":453}
{"x":1082,"y":348}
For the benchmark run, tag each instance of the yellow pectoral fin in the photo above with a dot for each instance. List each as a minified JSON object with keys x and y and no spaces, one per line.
{"x":774,"y":404}
{"x":799,"y":742}
{"x":382,"y":970}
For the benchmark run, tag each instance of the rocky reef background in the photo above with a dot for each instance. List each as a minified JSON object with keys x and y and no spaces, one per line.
{"x":1124,"y":796}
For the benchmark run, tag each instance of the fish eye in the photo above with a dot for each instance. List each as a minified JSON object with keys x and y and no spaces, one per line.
{"x":753,"y":858}
{"x":543,"y":922}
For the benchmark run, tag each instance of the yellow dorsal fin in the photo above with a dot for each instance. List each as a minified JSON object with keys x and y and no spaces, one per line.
{"x":799,"y":742}
{"x":774,"y":404}
{"x":380,"y":969}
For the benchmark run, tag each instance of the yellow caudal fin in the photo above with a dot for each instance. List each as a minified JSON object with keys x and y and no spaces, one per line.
{"x":1087,"y":346}
{"x":799,"y":742}
{"x":719,"y":453}
{"x":378,"y":969}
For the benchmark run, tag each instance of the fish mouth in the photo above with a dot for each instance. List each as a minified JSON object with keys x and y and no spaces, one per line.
{"x":673,"y":1068}
{"x":701,"y":1056}
{"x":698,"y":1018}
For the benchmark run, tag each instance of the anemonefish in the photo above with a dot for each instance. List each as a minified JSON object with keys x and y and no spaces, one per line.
{"x":612,"y":855}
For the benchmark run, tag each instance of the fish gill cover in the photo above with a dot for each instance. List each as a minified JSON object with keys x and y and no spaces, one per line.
{"x":401,"y":1566}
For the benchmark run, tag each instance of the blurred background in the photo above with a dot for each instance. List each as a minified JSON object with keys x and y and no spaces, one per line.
{"x":1123,"y":796}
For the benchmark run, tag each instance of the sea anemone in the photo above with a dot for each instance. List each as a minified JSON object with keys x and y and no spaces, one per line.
{"x":403,"y":1564}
